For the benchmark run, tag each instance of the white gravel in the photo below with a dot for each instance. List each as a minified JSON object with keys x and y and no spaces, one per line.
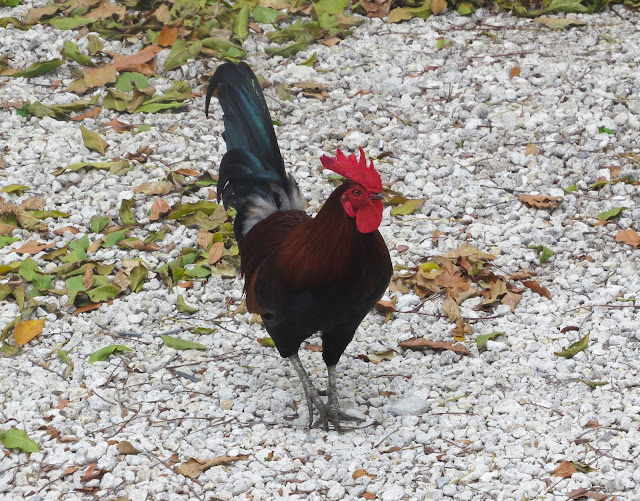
{"x":493,"y":425}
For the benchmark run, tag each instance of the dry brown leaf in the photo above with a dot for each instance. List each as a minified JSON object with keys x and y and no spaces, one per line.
{"x":215,"y":253}
{"x":565,"y":470}
{"x":438,"y":6}
{"x":167,"y":36}
{"x":142,"y":62}
{"x":68,"y":471}
{"x":515,"y":72}
{"x":398,"y":286}
{"x":436,"y":236}
{"x":385,"y":306}
{"x":420,"y":343}
{"x":536,"y":287}
{"x":27,"y":330}
{"x":159,"y":208}
{"x":330,"y":42}
{"x":98,"y":77}
{"x":32,"y":203}
{"x":361,"y":472}
{"x":497,"y":289}
{"x":472,"y":253}
{"x":369,"y":495}
{"x":126,"y":448}
{"x":108,"y":10}
{"x":89,"y":307}
{"x":203,"y":239}
{"x":521,"y":275}
{"x":451,"y":308}
{"x":6,"y":229}
{"x":592,"y":423}
{"x":194,"y":467}
{"x":511,"y":299}
{"x":62,"y":403}
{"x":140,"y":245}
{"x":154,"y":188}
{"x":628,"y":237}
{"x":187,"y":172}
{"x":61,"y":231}
{"x":118,"y":126}
{"x":31,"y":247}
{"x":87,"y":280}
{"x":583,"y":493}
{"x":531,"y":149}
{"x":376,"y":8}
{"x":93,"y":113}
{"x":541,"y":201}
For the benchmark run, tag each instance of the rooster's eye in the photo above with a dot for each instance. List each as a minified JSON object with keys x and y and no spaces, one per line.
{"x":356,"y":193}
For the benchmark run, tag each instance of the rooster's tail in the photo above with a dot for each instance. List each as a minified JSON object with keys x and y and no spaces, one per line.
{"x":252,"y":178}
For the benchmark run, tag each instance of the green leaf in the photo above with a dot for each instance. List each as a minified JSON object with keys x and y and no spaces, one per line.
{"x":37,"y":69}
{"x":18,"y":439}
{"x":68,"y":23}
{"x":605,"y":130}
{"x":106,"y":352}
{"x":74,"y":286}
{"x":63,"y":355}
{"x":481,"y":339}
{"x":45,"y":214}
{"x":99,"y":223}
{"x":181,"y":53}
{"x":9,"y":3}
{"x":203,"y":330}
{"x":92,"y":140}
{"x":184,"y":307}
{"x":240,"y":24}
{"x":128,"y":80}
{"x":308,"y":62}
{"x":223,"y":46}
{"x":28,"y":269}
{"x":593,"y":384}
{"x":126,"y":214}
{"x":204,"y":205}
{"x":406,"y":208}
{"x":566,"y":6}
{"x":287,"y":51}
{"x":466,"y":8}
{"x":137,"y":276}
{"x":570,"y":189}
{"x":7,"y":240}
{"x":608,"y":214}
{"x":24,"y":111}
{"x":118,"y":167}
{"x":198,"y":272}
{"x":155,"y":107}
{"x":114,"y":237}
{"x":181,"y":344}
{"x":330,"y":6}
{"x":264,"y":15}
{"x":103,"y":293}
{"x":399,"y":14}
{"x":71,"y":50}
{"x":95,"y":44}
{"x":546,"y":253}
{"x":574,"y":348}
{"x":443,"y":43}
{"x":17,"y":189}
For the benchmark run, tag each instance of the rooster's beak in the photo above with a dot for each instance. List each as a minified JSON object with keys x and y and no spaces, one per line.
{"x":377,"y":196}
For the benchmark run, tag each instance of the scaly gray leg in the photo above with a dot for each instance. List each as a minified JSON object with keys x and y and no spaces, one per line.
{"x":313,"y":398}
{"x":333,"y":406}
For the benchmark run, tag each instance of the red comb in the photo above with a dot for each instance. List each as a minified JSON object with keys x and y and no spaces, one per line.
{"x":354,"y":170}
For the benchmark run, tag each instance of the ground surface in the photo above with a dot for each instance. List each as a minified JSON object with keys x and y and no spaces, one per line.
{"x":492,"y":425}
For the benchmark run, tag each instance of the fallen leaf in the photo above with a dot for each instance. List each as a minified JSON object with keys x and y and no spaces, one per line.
{"x":608,"y":214}
{"x":361,"y":472}
{"x":583,"y":493}
{"x":126,"y":448}
{"x":536,"y":287}
{"x":541,"y":201}
{"x":92,"y":140}
{"x":159,"y":208}
{"x":92,"y":113}
{"x":515,"y":72}
{"x":380,"y":356}
{"x":140,"y":62}
{"x":154,"y":188}
{"x":565,"y":470}
{"x":167,"y":36}
{"x":420,"y":343}
{"x":27,"y":330}
{"x":194,"y":467}
{"x":376,"y":8}
{"x":215,"y":253}
{"x":31,"y":247}
{"x":574,"y":348}
{"x":98,"y":77}
{"x":531,"y":148}
{"x":437,"y":6}
{"x":630,"y":237}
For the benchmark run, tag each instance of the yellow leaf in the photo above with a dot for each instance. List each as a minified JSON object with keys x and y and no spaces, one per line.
{"x":438,"y":6}
{"x":27,"y":330}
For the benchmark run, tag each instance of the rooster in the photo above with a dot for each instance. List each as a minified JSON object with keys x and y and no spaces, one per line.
{"x":302,"y":275}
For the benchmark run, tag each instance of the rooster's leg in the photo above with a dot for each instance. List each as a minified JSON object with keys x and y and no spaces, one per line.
{"x":333,"y":406}
{"x":313,"y":397}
